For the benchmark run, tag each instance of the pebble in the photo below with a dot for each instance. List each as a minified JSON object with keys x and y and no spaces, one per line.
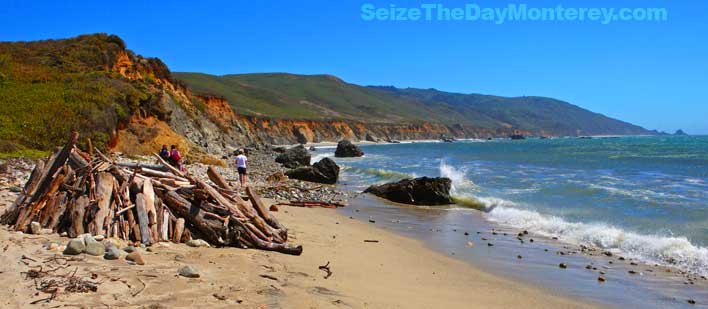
{"x":112,"y":254}
{"x":129,"y":249}
{"x":75,"y":247}
{"x":467,"y":234}
{"x":601,"y":279}
{"x":563,"y":265}
{"x":519,"y":257}
{"x":99,"y":238}
{"x":36,"y":228}
{"x":490,"y":244}
{"x":196,"y":243}
{"x":691,"y":301}
{"x":273,"y":208}
{"x":189,"y":272}
{"x":136,"y":258}
{"x":631,"y":272}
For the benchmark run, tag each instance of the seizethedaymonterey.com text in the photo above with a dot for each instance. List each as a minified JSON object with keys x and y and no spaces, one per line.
{"x":513,"y":12}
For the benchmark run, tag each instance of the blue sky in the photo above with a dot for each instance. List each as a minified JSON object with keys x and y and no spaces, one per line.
{"x":649,"y":73}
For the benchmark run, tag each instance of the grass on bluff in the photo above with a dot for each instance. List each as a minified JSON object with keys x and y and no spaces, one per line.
{"x":49,"y":88}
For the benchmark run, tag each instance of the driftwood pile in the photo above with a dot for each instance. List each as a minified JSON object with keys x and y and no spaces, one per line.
{"x":86,"y":192}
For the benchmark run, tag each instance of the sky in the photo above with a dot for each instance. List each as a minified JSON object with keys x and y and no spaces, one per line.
{"x":653,"y":74}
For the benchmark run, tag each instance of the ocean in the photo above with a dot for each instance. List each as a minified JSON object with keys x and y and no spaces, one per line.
{"x":644,"y":198}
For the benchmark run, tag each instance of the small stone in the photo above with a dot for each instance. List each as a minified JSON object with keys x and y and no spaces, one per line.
{"x":601,"y":279}
{"x":53,"y":246}
{"x":489,"y":244}
{"x":75,"y":247}
{"x":466,"y":233}
{"x":631,"y":272}
{"x":273,"y":208}
{"x":112,"y":254}
{"x":691,"y":301}
{"x":15,"y":189}
{"x":519,"y":257}
{"x":196,"y":243}
{"x":35,"y":227}
{"x":46,"y":231}
{"x":136,"y":258}
{"x":129,"y":249}
{"x":588,"y":267}
{"x":563,"y":265}
{"x":99,"y":238}
{"x":63,"y":234}
{"x":95,"y":249}
{"x":189,"y":272}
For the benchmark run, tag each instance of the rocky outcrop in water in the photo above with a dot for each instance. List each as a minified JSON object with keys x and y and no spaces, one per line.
{"x":324,"y":171}
{"x":418,"y":191}
{"x":345,"y":148}
{"x":294,"y":157}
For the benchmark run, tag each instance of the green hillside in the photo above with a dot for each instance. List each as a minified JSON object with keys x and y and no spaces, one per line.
{"x":282,"y":95}
{"x":48,"y":88}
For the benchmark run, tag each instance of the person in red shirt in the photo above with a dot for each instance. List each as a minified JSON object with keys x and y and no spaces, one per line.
{"x":176,"y":158}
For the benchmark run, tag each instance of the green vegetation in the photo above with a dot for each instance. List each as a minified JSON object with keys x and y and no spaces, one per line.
{"x":282,"y":95}
{"x":48,"y":88}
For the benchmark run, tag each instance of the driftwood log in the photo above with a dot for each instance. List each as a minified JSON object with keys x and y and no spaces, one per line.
{"x":77,"y":192}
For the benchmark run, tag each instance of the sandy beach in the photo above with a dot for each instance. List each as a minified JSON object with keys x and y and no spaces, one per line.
{"x":393,"y":272}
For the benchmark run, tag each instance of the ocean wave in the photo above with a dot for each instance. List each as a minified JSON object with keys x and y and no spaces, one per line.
{"x":460,"y":183}
{"x":320,"y":156}
{"x":670,"y":251}
{"x":382,"y":173}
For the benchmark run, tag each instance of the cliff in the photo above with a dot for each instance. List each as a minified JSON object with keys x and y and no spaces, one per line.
{"x":129,"y":103}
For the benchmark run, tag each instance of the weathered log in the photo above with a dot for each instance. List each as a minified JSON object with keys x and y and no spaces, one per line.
{"x":104,"y":191}
{"x":76,"y":213}
{"x":143,"y":221}
{"x":212,"y":229}
{"x":217,"y":179}
{"x":170,"y":167}
{"x":155,"y":167}
{"x":76,"y":160}
{"x":178,"y":230}
{"x":59,"y":210}
{"x":149,"y":196}
{"x":164,"y":229}
{"x":263,"y":211}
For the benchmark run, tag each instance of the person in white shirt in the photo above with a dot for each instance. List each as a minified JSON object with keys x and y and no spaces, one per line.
{"x":241,"y":161}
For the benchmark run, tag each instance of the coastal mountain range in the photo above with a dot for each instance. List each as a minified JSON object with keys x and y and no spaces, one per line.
{"x":129,"y":103}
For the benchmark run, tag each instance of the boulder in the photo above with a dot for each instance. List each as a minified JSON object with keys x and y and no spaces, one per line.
{"x":95,"y":248}
{"x":112,"y":254}
{"x":75,"y":246}
{"x":418,"y":191}
{"x":294,"y":157}
{"x":324,"y":171}
{"x":345,"y":148}
{"x":136,"y":258}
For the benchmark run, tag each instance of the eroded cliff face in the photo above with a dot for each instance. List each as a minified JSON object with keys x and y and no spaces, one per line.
{"x":202,"y":124}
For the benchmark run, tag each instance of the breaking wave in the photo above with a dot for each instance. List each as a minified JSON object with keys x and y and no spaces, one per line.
{"x":670,"y":251}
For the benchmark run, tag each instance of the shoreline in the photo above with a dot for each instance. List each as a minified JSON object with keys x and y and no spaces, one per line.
{"x":396,"y":271}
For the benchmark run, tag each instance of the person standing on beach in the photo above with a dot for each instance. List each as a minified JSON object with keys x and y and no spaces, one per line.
{"x":241,"y":161}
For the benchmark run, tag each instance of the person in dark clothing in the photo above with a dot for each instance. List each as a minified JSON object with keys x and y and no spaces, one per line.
{"x":164,"y":153}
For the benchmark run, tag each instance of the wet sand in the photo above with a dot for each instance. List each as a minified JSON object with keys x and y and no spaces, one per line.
{"x":394,"y":272}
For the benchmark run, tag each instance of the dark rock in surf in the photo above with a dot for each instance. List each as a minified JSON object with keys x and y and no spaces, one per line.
{"x":418,"y":191}
{"x":324,"y":171}
{"x":294,"y":157}
{"x":345,"y":148}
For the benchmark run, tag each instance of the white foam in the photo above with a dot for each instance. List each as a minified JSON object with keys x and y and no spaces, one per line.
{"x":319,"y":157}
{"x":460,"y":183}
{"x":666,"y":250}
